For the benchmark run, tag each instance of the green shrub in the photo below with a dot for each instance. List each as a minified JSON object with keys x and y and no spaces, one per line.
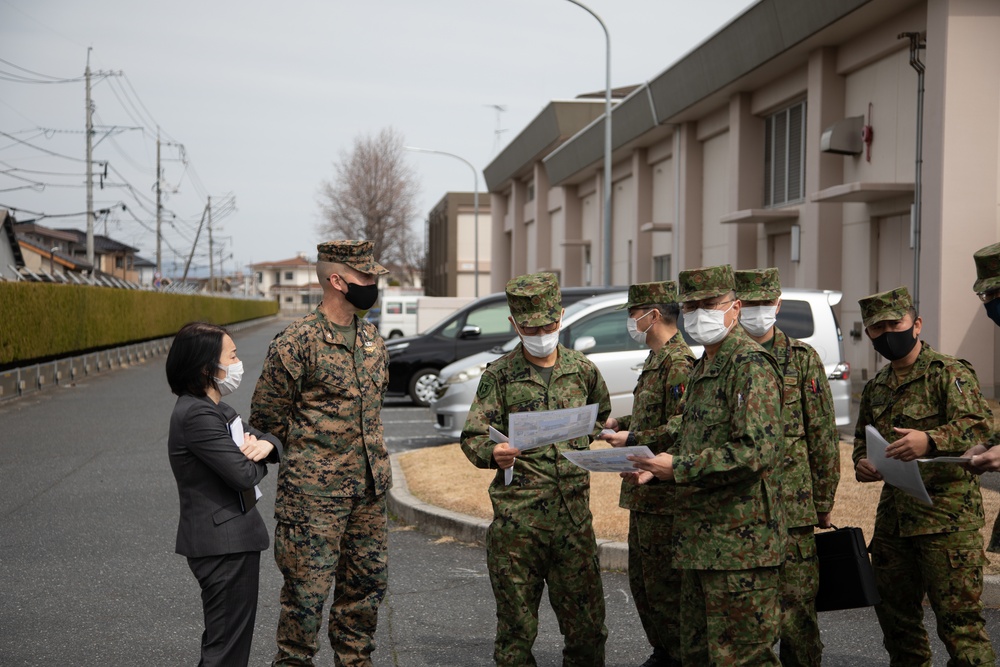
{"x":39,"y":320}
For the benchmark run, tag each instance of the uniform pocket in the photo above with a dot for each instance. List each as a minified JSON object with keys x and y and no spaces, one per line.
{"x":744,"y":606}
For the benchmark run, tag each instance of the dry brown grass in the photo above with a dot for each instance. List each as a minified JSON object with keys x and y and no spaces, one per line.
{"x":442,"y":476}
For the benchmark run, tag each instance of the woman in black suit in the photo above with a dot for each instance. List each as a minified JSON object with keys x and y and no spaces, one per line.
{"x":220,"y":530}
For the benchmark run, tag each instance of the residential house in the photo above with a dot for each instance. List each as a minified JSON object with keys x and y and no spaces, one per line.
{"x":292,"y":282}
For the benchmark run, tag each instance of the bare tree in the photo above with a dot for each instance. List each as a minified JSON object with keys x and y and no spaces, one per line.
{"x":373,"y":196}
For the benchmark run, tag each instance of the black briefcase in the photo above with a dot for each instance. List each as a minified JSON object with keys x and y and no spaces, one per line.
{"x":846,"y":578}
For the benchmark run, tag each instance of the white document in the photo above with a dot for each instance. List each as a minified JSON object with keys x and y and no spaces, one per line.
{"x":236,"y":428}
{"x":609,"y":460}
{"x":535,"y":429}
{"x":904,"y":475}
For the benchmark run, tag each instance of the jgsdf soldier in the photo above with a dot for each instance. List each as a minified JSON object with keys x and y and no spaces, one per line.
{"x":542,"y":531}
{"x":321,"y":389}
{"x":730,"y":535}
{"x":810,"y":469}
{"x":925,"y":404}
{"x":655,"y":583}
{"x":986,"y":456}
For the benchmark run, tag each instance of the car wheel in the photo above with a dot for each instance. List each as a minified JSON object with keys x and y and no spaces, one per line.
{"x":396,"y":333}
{"x":423,"y":386}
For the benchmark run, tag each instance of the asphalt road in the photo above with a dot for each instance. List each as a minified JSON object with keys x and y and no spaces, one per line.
{"x":88,"y":510}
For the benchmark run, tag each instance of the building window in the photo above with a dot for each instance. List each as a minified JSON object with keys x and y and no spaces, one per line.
{"x":784,"y":156}
{"x":531,"y":191}
{"x":289,"y":299}
{"x":288,"y":275}
{"x":119,"y":262}
{"x":661,"y":268}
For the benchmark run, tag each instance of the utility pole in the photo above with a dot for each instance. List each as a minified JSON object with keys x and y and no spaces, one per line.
{"x":211,"y":256}
{"x":194,"y":245}
{"x":159,"y":267}
{"x":90,"y":167}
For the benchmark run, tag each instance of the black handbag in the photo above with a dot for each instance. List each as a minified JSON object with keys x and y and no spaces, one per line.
{"x":846,"y":577}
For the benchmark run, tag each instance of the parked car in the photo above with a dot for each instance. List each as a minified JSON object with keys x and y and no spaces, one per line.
{"x":414,"y":361}
{"x":595,"y":327}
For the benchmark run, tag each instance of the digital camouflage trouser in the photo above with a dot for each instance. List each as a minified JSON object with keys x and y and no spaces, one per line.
{"x":522,"y":559}
{"x":655,"y":584}
{"x":730,"y":618}
{"x":338,"y":542}
{"x":949,"y":568}
{"x":800,"y":641}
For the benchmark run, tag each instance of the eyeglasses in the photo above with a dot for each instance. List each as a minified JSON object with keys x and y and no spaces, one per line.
{"x":692,"y":306}
{"x":545,"y":328}
{"x":986,"y":297}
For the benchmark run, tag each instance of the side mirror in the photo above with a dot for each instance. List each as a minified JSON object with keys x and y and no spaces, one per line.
{"x":470,"y":331}
{"x":584,"y":343}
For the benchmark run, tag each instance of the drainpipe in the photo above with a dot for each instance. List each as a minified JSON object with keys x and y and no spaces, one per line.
{"x":917,"y":42}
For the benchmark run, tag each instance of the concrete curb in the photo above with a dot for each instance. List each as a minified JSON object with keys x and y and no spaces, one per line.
{"x":465,"y":528}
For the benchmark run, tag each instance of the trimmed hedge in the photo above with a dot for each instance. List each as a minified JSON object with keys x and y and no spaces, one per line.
{"x":39,"y":320}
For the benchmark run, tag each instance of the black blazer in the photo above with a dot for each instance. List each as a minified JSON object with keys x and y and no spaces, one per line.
{"x":211,"y":471}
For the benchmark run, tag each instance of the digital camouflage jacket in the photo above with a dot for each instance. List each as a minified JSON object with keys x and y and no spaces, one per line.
{"x":325,"y":401}
{"x":810,"y":468}
{"x":658,"y":395}
{"x":729,"y":443}
{"x":546,"y":487}
{"x":940,"y":396}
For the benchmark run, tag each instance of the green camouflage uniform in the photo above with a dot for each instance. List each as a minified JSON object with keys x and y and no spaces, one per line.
{"x":917,"y":548}
{"x":654,"y":582}
{"x":323,"y":393}
{"x":988,"y":280}
{"x":810,"y":472}
{"x":542,"y":531}
{"x":730,"y":535}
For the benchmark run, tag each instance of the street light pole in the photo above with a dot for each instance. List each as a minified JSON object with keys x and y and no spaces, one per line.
{"x":475,"y":204}
{"x":607,"y":143}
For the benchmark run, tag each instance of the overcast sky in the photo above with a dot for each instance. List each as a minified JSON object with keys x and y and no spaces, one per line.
{"x":266,"y":96}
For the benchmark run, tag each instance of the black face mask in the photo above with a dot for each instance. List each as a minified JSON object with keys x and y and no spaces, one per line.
{"x":894,"y":345}
{"x":361,"y":297}
{"x":993,"y":310}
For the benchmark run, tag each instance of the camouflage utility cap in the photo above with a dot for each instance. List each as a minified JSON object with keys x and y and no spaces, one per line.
{"x":987,"y":268}
{"x":355,"y":254}
{"x":534,"y":299}
{"x":757,"y":285}
{"x":651,"y":294}
{"x":707,"y":283}
{"x":891,"y":305}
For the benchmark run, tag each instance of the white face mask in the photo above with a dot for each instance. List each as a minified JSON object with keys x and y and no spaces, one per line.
{"x":632,"y":325}
{"x":230,"y":383}
{"x":707,"y":327}
{"x":542,"y":345}
{"x":758,"y":320}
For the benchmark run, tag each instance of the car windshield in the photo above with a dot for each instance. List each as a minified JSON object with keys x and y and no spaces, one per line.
{"x":571,"y":310}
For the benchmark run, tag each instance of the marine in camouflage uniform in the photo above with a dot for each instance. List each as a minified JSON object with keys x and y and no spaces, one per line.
{"x":729,"y":534}
{"x":810,"y":468}
{"x":654,"y":582}
{"x":322,"y":388}
{"x":542,"y":531}
{"x":987,"y":288}
{"x":925,"y":404}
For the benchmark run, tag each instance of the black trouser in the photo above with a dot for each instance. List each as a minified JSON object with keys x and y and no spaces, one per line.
{"x":229,"y":599}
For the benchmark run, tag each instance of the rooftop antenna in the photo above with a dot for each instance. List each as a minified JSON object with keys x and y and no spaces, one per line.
{"x":497,"y":133}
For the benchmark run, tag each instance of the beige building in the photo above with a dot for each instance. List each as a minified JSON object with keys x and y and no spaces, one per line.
{"x":453,"y":258}
{"x":789,"y":138}
{"x":292,"y":282}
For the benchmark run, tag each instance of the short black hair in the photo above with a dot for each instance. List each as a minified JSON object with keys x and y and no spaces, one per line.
{"x":669,"y":312}
{"x":194,"y":357}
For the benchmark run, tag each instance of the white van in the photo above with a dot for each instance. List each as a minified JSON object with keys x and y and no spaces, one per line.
{"x":398,"y":316}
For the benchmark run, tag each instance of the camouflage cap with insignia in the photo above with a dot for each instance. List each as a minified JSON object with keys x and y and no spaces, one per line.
{"x":757,"y":284}
{"x":987,"y":268}
{"x":650,"y":294}
{"x":891,"y":305}
{"x":355,"y":254}
{"x":706,"y":283}
{"x":534,"y":299}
